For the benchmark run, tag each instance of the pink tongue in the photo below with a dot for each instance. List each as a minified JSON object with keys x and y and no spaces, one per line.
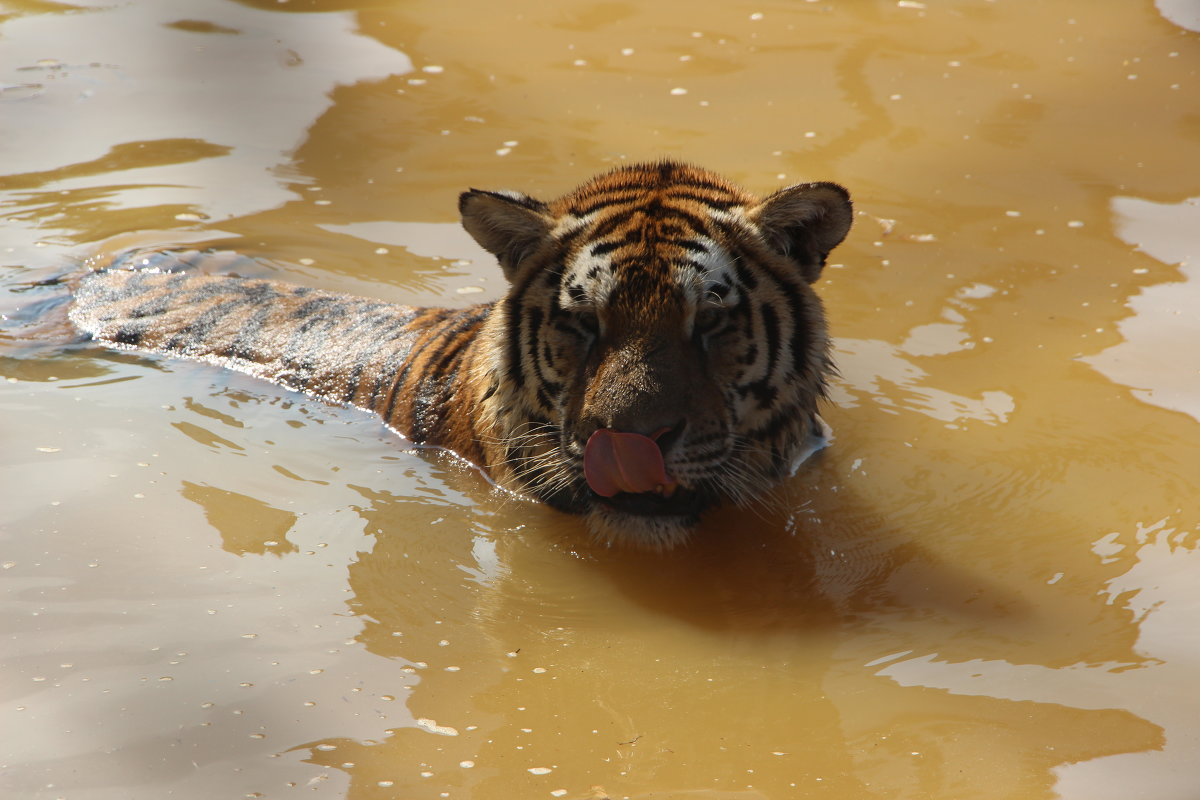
{"x":624,"y":462}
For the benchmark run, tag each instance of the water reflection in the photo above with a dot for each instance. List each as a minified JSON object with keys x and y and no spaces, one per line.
{"x":247,"y":525}
{"x":169,"y":97}
{"x":1153,"y":360}
{"x":1129,"y":735}
{"x":876,"y":370}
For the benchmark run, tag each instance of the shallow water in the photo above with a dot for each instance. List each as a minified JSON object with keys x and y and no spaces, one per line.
{"x":985,"y":588}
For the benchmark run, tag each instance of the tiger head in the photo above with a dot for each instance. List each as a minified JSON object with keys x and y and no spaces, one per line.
{"x":660,"y":348}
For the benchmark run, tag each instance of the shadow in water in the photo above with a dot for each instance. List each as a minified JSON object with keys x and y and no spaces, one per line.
{"x":831,"y":558}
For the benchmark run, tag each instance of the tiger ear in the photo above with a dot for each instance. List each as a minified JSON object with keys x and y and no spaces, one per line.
{"x":509,"y":225}
{"x":804,"y":222}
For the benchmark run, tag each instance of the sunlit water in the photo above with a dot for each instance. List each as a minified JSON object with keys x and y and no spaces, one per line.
{"x":987,"y":587}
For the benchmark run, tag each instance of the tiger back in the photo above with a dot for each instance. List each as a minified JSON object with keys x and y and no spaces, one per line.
{"x":659,"y":348}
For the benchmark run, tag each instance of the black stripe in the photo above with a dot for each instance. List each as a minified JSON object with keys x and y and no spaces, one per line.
{"x":607,"y":226}
{"x":745,"y":276}
{"x":385,"y":334}
{"x":199,"y":329}
{"x":719,"y":205}
{"x":619,"y":197}
{"x":128,"y":335}
{"x":605,"y":247}
{"x":701,"y":183}
{"x":450,"y":324}
{"x":433,"y":338}
{"x":698,"y":225}
{"x":242,"y":345}
{"x":770,"y":323}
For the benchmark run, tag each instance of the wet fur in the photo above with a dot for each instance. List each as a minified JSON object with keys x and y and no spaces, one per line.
{"x":657,"y":296}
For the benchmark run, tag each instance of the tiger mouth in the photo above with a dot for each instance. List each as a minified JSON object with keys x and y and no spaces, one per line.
{"x":681,"y":503}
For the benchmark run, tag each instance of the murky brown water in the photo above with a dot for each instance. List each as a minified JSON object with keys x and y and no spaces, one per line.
{"x":988,"y":587}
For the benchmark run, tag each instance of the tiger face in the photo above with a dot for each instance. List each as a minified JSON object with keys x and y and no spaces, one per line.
{"x":660,"y":349}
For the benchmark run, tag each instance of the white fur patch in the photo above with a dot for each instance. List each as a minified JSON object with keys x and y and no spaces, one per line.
{"x":598,"y":287}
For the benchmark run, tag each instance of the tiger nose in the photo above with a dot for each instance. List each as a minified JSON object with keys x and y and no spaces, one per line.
{"x":669,"y":436}
{"x":665,"y":436}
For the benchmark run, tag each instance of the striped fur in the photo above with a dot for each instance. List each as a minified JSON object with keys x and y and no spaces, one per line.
{"x":654,"y":297}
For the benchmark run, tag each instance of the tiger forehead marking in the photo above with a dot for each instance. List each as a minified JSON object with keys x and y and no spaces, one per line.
{"x":699,"y":270}
{"x":660,"y":348}
{"x":664,"y":240}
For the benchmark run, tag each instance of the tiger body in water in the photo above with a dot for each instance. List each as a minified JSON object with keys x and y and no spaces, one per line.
{"x":659,"y":349}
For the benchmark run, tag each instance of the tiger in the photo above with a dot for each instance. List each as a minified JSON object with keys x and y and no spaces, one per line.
{"x":659,"y":349}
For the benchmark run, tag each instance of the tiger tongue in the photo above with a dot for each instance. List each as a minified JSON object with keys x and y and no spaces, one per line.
{"x":616,"y":462}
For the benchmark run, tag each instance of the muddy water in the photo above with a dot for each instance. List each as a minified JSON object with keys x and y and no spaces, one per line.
{"x":986,"y":588}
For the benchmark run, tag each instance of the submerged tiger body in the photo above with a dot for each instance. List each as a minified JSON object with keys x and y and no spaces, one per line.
{"x":659,"y":349}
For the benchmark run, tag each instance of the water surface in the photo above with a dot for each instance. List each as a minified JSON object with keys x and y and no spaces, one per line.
{"x":985,"y":588}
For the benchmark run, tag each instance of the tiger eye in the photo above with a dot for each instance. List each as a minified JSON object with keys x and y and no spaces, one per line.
{"x":707,"y":320}
{"x":588,"y":321}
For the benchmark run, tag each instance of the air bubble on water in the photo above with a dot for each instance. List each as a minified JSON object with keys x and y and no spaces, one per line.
{"x":432,"y":726}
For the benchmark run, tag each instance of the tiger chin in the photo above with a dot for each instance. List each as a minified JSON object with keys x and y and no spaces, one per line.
{"x":659,"y":350}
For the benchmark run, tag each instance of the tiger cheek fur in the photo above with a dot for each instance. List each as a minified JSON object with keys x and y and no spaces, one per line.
{"x":659,"y":349}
